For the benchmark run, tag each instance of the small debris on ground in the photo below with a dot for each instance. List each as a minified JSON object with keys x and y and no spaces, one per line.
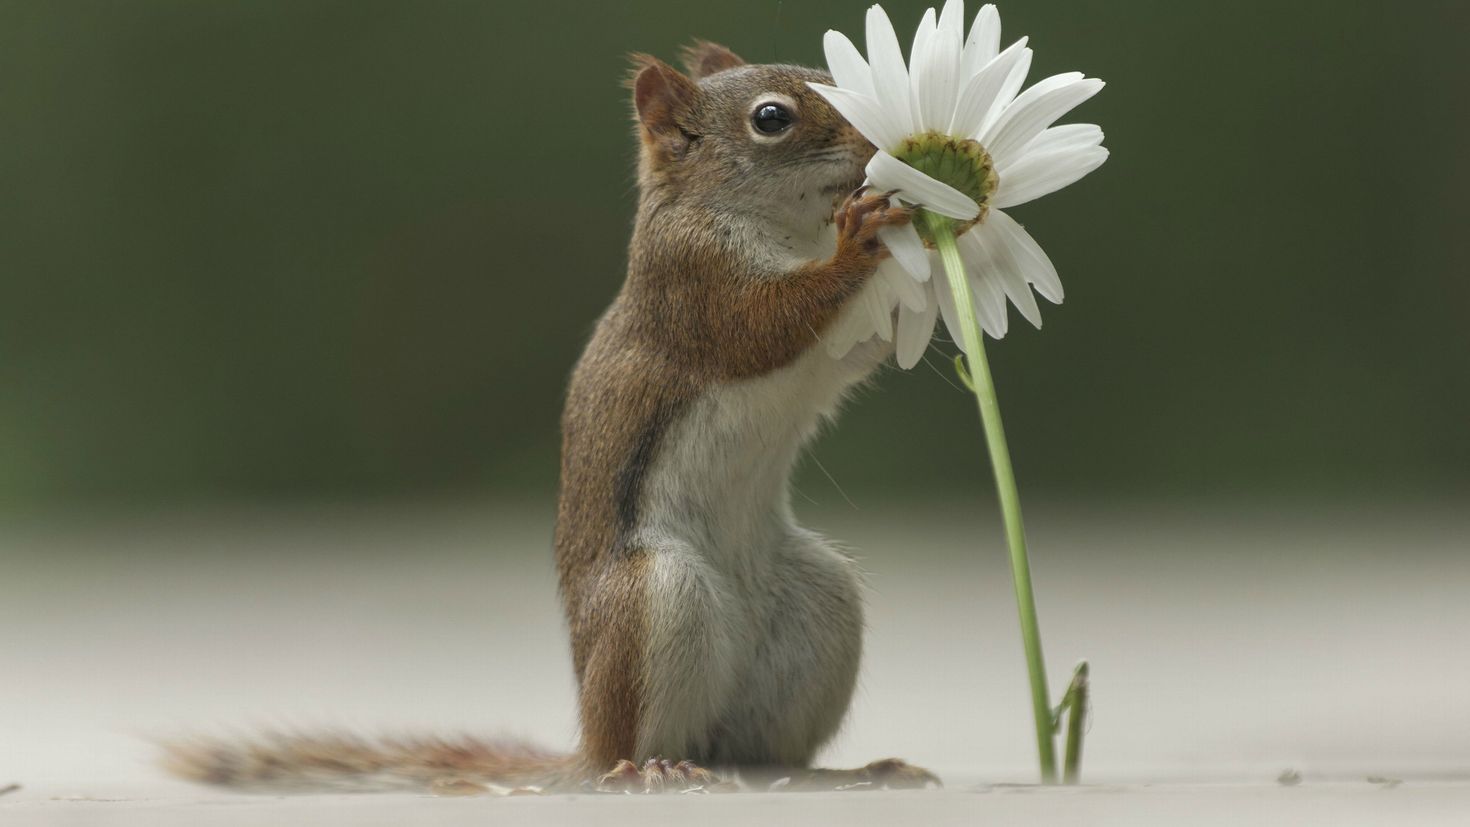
{"x":9,"y":788}
{"x":1385,"y":782}
{"x":1289,"y":778}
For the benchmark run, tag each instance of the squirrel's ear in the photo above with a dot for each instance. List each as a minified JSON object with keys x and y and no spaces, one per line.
{"x":663,"y":100}
{"x":703,"y":58}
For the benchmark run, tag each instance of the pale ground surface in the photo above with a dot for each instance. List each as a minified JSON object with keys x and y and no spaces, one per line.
{"x":1227,"y":645}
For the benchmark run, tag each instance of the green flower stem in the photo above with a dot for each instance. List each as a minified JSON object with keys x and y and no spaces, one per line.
{"x":942,"y":231}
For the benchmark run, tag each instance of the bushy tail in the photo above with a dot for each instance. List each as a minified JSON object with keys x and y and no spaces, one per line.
{"x":336,"y":762}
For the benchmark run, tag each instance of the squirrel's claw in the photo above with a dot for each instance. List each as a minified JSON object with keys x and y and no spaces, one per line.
{"x":896,"y":774}
{"x":859,"y":218}
{"x":658,"y":776}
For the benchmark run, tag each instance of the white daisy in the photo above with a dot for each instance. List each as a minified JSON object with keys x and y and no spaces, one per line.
{"x":955,"y":138}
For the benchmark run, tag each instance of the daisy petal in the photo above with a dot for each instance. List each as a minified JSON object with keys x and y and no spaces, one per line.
{"x":945,"y":300}
{"x":907,"y":248}
{"x":1039,"y":174}
{"x":983,"y":43}
{"x":1008,"y":90}
{"x":846,"y":64}
{"x":982,"y":90}
{"x":915,"y":329}
{"x":935,"y":72}
{"x":1006,"y":273}
{"x":879,"y":304}
{"x":864,"y":113}
{"x":1049,"y":83}
{"x":847,"y":330}
{"x":890,"y":75}
{"x":952,"y":19}
{"x":1021,"y":296}
{"x":1043,"y":86}
{"x":835,"y":341}
{"x":1070,"y":136}
{"x":839,"y":348}
{"x":899,"y":287}
{"x":1024,"y":119}
{"x":920,"y":47}
{"x":918,"y":60}
{"x":990,"y":304}
{"x":1038,"y":89}
{"x":1034,"y":265}
{"x":887,"y":172}
{"x":985,"y":289}
{"x":952,"y":28}
{"x":909,"y":293}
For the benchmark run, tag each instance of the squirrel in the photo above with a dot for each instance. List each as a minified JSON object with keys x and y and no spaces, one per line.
{"x":707,"y":627}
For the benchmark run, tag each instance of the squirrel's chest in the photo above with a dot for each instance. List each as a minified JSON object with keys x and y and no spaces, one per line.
{"x":719,"y":480}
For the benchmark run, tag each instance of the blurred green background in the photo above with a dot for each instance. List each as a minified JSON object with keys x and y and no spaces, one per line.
{"x":345,"y":250}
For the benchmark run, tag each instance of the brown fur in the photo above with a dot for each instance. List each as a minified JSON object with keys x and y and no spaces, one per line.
{"x":700,"y":305}
{"x":703,"y":58}
{"x":696,"y":308}
{"x":322,"y":761}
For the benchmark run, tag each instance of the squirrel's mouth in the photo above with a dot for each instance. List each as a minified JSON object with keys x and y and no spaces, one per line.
{"x":846,"y":185}
{"x":857,"y":173}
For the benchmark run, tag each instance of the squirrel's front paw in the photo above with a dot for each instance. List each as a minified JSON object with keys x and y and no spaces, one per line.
{"x":861,"y":215}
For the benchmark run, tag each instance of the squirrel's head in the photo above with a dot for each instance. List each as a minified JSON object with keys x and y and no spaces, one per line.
{"x":748,"y":135}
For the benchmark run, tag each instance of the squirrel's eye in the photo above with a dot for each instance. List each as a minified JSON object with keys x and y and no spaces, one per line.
{"x":771,"y":118}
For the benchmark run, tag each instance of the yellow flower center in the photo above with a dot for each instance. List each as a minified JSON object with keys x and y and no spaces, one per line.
{"x":958,"y":162}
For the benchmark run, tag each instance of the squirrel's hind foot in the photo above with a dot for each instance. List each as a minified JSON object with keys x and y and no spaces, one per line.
{"x":886,"y":774}
{"x":660,"y":776}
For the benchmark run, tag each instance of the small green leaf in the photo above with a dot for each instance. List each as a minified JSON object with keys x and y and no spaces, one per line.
{"x":964,"y":372}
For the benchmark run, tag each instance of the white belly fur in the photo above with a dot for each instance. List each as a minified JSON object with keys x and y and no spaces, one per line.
{"x":718,"y":525}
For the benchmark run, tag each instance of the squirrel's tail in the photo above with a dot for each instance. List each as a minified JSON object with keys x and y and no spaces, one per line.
{"x":336,"y":762}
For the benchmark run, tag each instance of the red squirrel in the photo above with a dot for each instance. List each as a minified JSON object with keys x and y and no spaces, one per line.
{"x":709,"y":632}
